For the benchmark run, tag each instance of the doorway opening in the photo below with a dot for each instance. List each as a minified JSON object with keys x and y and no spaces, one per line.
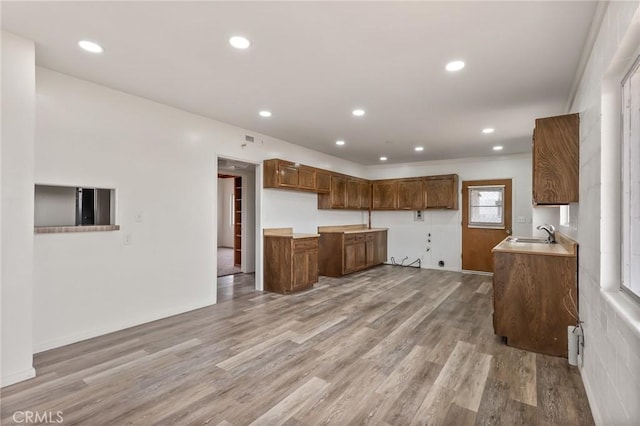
{"x":236,"y":203}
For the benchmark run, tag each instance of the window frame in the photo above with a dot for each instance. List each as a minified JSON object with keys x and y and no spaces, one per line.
{"x":486,"y":225}
{"x":627,"y":192}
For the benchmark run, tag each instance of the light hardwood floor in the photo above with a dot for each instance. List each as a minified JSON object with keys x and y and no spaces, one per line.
{"x":390,"y":345}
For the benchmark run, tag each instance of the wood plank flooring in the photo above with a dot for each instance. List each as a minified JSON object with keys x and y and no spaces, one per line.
{"x":387,"y":346}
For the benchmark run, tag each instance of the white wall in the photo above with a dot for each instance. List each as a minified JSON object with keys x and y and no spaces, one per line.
{"x":16,"y":212}
{"x":163,"y":163}
{"x":611,"y":359}
{"x":225,"y":220}
{"x":409,"y":238}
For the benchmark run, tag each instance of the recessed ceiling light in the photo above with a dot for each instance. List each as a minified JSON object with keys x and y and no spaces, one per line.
{"x":383,"y":158}
{"x":454,"y":66}
{"x":488,"y":130}
{"x":419,"y":148}
{"x":358,"y":112}
{"x":239,"y":42}
{"x":497,"y":148}
{"x":90,"y":46}
{"x":339,"y":142}
{"x":265,"y":113}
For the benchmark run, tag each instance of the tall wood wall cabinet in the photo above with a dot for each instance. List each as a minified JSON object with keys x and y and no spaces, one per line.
{"x":556,"y":160}
{"x":237,"y":221}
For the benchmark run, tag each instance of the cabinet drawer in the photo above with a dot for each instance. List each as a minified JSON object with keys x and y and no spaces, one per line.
{"x":349,"y":238}
{"x":303,"y":244}
{"x":360,"y":237}
{"x":370,"y":236}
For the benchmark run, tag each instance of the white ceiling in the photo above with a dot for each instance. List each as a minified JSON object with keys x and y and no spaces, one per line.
{"x":311,"y":63}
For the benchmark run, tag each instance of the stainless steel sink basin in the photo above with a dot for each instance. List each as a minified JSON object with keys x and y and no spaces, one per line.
{"x":528,"y":240}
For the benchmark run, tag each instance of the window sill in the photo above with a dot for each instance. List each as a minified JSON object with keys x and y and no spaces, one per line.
{"x":627,"y":308}
{"x":68,"y":229}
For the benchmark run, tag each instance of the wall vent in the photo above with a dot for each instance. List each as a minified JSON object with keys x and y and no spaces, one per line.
{"x":248,"y":138}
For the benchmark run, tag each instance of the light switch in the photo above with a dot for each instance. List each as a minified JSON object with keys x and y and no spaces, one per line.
{"x":522,"y":219}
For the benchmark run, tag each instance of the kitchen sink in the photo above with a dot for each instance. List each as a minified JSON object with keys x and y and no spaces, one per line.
{"x":528,"y":240}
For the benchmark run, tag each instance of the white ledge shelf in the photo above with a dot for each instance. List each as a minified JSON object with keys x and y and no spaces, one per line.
{"x":67,"y":229}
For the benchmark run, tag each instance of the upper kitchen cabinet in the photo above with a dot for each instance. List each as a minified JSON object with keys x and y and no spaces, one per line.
{"x":347,"y":193}
{"x":410,"y":194}
{"x":556,"y":160}
{"x":441,"y":192}
{"x":323,"y":181}
{"x":384,"y":194}
{"x":288,"y":175}
{"x":353,"y":194}
{"x":306,"y":178}
{"x":365,"y":194}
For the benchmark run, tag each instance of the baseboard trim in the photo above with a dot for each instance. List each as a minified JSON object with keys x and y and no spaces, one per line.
{"x":18,"y":376}
{"x":597,"y":418}
{"x":488,"y":274}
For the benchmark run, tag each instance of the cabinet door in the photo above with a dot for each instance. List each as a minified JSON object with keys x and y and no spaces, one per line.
{"x":384,"y":194}
{"x":323,"y":182}
{"x":288,"y":175}
{"x":354,"y":257}
{"x":441,"y":192}
{"x":365,"y":195}
{"x":312,"y":267}
{"x":410,"y":194}
{"x":353,"y":194}
{"x":300,"y":269}
{"x":556,"y":148}
{"x":306,"y":178}
{"x":381,"y":247}
{"x":370,"y":249}
{"x":338,"y":192}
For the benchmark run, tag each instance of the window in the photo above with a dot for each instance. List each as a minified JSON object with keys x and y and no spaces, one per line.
{"x":486,"y":206}
{"x":565,"y":216}
{"x":631,"y":180}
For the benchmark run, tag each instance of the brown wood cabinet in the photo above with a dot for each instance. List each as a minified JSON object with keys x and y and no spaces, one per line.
{"x":237,"y":221}
{"x":347,"y":249}
{"x":441,"y":192}
{"x":290,"y":260}
{"x":410,"y":194}
{"x":306,"y":178}
{"x":365,"y":195}
{"x":353,"y":194}
{"x":384,"y":194}
{"x":288,"y":175}
{"x":534,"y":297}
{"x":556,"y":160}
{"x":339,"y":191}
{"x":323,"y":181}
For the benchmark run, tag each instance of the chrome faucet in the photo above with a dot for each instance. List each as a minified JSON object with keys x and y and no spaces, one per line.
{"x":551,"y":239}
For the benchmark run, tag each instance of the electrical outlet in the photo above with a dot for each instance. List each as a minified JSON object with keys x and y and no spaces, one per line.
{"x":522,"y":219}
{"x":418,"y":216}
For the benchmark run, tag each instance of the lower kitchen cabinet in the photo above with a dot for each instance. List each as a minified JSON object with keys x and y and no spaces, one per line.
{"x":351,"y":248}
{"x":290,"y":260}
{"x":535,"y":294}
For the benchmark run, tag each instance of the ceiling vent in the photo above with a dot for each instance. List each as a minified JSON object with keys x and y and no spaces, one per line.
{"x":248,"y":138}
